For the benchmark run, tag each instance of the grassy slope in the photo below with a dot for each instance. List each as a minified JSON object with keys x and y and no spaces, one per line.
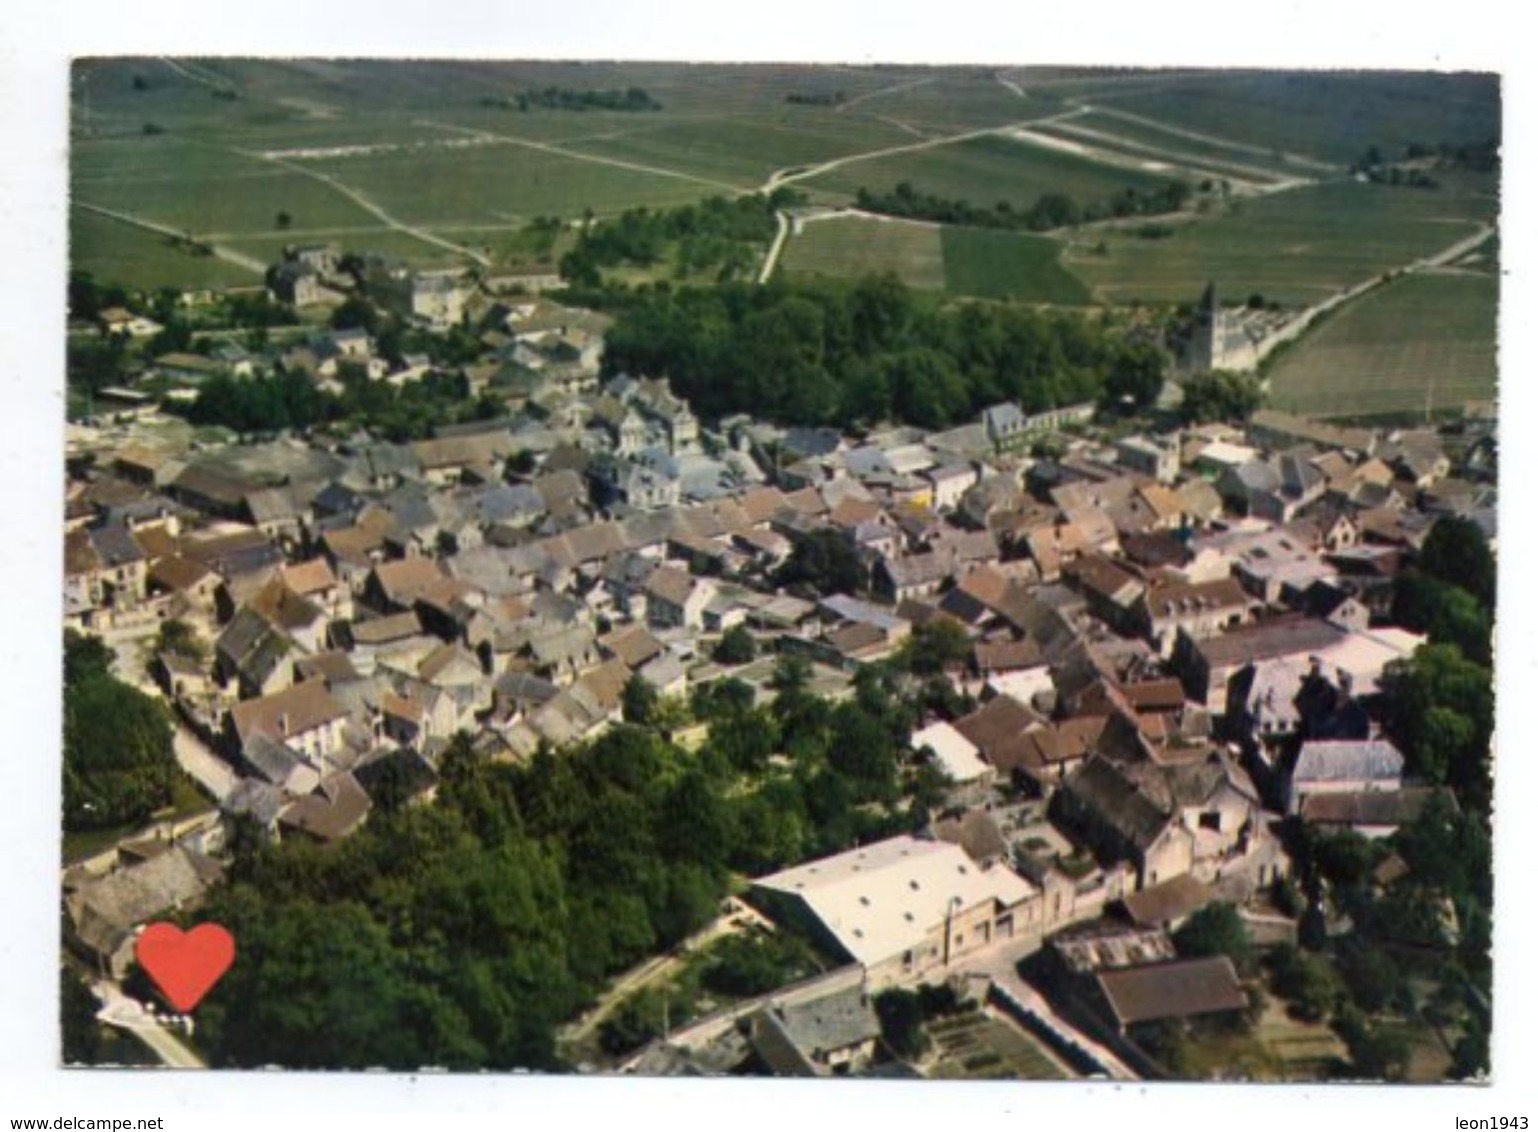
{"x":120,"y":253}
{"x":1332,"y":117}
{"x":1383,"y":353}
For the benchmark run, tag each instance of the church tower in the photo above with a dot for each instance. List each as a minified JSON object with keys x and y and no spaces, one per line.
{"x":1207,"y":336}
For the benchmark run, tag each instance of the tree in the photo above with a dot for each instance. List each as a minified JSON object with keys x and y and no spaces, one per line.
{"x":1217,"y":930}
{"x":1308,"y":982}
{"x":180,"y":639}
{"x":937,"y":645}
{"x":81,"y":1033}
{"x":639,"y":701}
{"x":284,"y":220}
{"x":1448,"y":614}
{"x":1438,"y":707}
{"x":1219,"y":396}
{"x":1456,"y":552}
{"x":902,"y":1023}
{"x":84,"y":657}
{"x":736,"y":646}
{"x":118,"y":762}
{"x":1136,"y":376}
{"x":825,"y":561}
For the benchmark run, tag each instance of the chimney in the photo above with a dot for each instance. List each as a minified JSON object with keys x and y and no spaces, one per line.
{"x":283,"y":724}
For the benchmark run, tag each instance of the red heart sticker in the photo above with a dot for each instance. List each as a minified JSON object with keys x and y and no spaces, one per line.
{"x":185,"y":965}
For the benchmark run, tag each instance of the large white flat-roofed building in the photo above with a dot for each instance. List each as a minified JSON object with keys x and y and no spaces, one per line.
{"x":954,"y":753}
{"x":903,"y":907}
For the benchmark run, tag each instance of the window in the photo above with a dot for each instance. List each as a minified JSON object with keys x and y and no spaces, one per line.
{"x":1212,"y":820}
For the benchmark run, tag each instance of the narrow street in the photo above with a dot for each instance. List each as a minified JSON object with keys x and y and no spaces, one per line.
{"x":129,"y":1014}
{"x":211,"y":772}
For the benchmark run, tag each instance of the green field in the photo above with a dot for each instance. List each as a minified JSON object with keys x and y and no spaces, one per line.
{"x":986,"y":170}
{"x":744,"y":152}
{"x":111,"y":250}
{"x":1296,"y":247}
{"x":410,"y":137}
{"x":1196,"y":149}
{"x":1329,"y":116}
{"x":948,"y":102}
{"x":979,"y":262}
{"x":1428,"y":336}
{"x":499,"y":183}
{"x":848,"y":247}
{"x":996,"y":265}
{"x":1169,"y":157}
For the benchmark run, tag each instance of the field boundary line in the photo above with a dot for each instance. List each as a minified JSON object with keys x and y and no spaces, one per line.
{"x":229,"y":255}
{"x":578,"y":155}
{"x":1211,"y":139}
{"x":367,"y":205}
{"x":801,"y":173}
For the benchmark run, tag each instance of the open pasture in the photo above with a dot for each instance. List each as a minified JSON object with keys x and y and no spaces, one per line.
{"x":1427,"y":338}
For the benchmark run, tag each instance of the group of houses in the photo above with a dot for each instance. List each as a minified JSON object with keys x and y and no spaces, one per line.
{"x":1176,"y":641}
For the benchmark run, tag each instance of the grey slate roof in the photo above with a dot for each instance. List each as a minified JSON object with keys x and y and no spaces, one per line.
{"x":1370,"y":760}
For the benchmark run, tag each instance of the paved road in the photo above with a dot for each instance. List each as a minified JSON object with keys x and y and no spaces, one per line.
{"x":129,"y":1014}
{"x":213,"y":773}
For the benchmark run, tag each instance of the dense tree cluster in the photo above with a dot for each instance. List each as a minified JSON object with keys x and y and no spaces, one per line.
{"x":723,"y":234}
{"x":1217,"y":930}
{"x":819,"y":353}
{"x":630,"y":100}
{"x":409,"y":411}
{"x":463,"y":933}
{"x":1221,"y":395}
{"x":1051,"y":210}
{"x":118,"y":763}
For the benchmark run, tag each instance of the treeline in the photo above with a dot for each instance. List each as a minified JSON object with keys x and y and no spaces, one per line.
{"x":118,"y":762}
{"x":725,"y":234}
{"x":812,"y":353}
{"x":1432,"y":926}
{"x":816,"y":98}
{"x":1476,"y":157}
{"x":631,"y":100}
{"x":1051,"y":210}
{"x":461,"y":934}
{"x":292,"y":401}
